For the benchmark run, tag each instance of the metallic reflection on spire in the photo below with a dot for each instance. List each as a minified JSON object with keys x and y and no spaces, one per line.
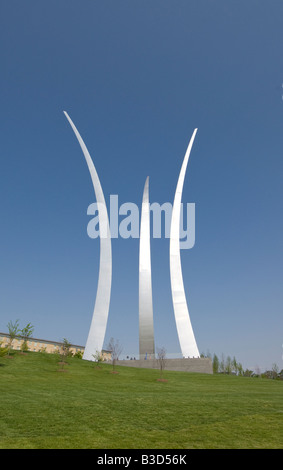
{"x":100,"y":314}
{"x":146,"y":333}
{"x":184,"y":328}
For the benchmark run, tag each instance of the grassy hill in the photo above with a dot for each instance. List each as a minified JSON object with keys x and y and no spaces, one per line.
{"x":43,"y":406}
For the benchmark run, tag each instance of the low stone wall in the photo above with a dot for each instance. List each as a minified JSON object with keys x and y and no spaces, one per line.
{"x":202,"y":364}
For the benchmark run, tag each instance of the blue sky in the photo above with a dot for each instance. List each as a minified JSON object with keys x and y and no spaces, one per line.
{"x":137,"y":77}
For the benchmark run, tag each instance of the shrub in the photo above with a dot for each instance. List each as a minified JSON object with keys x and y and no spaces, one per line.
{"x":78,"y":354}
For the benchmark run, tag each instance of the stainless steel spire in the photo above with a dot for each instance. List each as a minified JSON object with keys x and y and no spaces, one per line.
{"x":101,"y":308}
{"x":146,"y":333}
{"x":184,"y":328}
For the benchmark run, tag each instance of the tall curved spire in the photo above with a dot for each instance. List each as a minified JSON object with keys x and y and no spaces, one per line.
{"x":146,"y":333}
{"x":101,"y":308}
{"x":184,"y":328}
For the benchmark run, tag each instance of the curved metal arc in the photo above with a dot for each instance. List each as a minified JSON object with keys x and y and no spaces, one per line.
{"x":101,"y":308}
{"x":146,"y":330}
{"x":183,"y":323}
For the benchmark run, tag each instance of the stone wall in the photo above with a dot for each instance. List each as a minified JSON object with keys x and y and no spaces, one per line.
{"x":202,"y":364}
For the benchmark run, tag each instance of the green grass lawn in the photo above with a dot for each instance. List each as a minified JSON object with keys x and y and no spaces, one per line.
{"x":84,"y":407}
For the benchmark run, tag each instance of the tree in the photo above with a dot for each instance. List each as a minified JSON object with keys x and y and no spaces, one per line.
{"x":234,"y":365}
{"x":14,"y":330}
{"x":116,"y":349}
{"x":215,"y":364}
{"x":228,"y":365}
{"x":257,"y":371}
{"x":98,"y":358}
{"x":26,"y":333}
{"x":240,"y":369}
{"x":222,"y":364}
{"x":275,"y":371}
{"x":66,"y":349}
{"x":64,"y":352}
{"x":161,"y":358}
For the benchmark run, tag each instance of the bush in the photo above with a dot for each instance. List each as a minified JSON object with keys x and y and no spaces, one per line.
{"x":3,"y":351}
{"x":78,"y":354}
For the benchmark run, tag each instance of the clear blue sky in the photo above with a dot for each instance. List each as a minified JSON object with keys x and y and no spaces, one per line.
{"x":137,"y":77}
